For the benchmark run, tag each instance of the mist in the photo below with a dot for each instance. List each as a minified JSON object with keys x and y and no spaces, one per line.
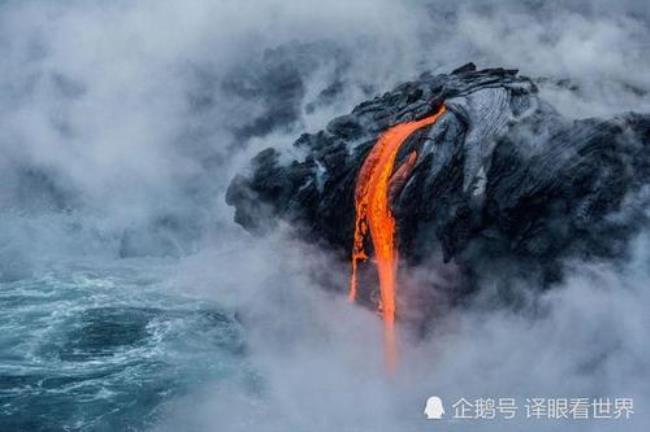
{"x":122,"y":123}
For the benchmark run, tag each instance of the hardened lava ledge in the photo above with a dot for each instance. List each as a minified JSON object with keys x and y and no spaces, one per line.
{"x":502,"y":180}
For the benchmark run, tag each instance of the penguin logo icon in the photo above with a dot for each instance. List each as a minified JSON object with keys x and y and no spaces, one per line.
{"x":433,"y":410}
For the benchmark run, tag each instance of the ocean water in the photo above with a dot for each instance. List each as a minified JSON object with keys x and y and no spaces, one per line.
{"x":106,"y":347}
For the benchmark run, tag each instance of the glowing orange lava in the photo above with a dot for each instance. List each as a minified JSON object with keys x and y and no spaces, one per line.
{"x":376,"y":184}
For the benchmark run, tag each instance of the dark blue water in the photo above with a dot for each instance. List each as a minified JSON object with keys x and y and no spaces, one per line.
{"x":87,"y":349}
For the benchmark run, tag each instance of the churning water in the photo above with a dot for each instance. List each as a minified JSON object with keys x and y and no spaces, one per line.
{"x":88,"y":347}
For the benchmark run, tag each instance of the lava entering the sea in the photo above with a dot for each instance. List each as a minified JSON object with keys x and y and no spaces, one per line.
{"x":376,"y":184}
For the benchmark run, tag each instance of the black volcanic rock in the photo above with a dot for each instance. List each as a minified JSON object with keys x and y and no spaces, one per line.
{"x":501,"y":179}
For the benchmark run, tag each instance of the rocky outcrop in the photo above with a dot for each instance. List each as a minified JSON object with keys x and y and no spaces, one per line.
{"x":501,"y":179}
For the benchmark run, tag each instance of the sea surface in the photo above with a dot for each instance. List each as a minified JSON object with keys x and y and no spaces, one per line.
{"x":106,"y":347}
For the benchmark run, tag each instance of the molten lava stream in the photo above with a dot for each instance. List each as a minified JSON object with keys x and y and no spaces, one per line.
{"x":373,"y":214}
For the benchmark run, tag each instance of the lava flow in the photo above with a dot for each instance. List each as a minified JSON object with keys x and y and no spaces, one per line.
{"x":375,"y":186}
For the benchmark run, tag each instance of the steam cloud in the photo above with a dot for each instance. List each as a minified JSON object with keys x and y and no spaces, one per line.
{"x":123,"y":123}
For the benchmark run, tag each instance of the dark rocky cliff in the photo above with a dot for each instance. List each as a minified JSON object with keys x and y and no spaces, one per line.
{"x":502,"y":180}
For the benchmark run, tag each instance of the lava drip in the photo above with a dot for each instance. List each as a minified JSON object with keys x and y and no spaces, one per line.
{"x":376,"y":184}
